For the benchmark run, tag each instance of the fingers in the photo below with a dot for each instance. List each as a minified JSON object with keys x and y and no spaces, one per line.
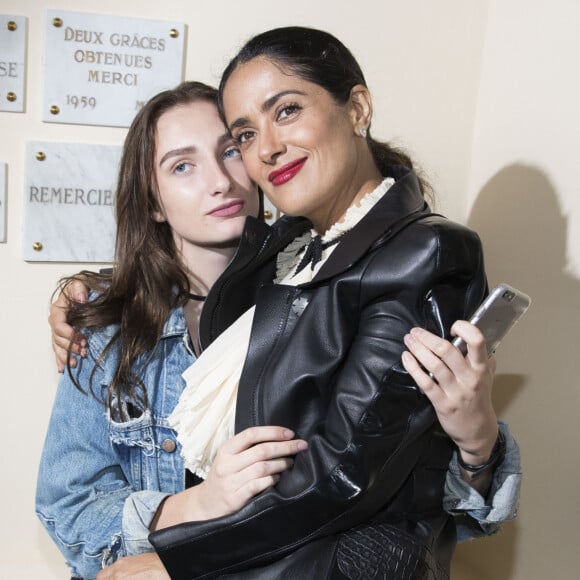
{"x":255,"y":446}
{"x":459,"y":387}
{"x":261,"y":475}
{"x":424,"y":381}
{"x":254,"y":435}
{"x":62,"y":333}
{"x":257,"y":453}
{"x":246,"y":465}
{"x":473,"y":337}
{"x":434,"y":354}
{"x":75,"y":291}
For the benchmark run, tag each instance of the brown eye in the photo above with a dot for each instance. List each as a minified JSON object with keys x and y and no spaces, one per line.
{"x":244,"y":137}
{"x":287,"y":111}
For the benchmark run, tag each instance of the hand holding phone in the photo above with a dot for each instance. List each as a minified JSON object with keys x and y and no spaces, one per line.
{"x":497,"y":315}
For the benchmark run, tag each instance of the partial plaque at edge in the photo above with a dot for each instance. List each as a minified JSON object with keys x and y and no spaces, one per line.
{"x":13,"y":32}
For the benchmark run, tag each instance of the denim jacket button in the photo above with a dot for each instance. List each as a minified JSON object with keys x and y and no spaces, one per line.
{"x":168,"y":445}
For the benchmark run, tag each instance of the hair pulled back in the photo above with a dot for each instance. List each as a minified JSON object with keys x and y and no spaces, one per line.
{"x":320,"y":58}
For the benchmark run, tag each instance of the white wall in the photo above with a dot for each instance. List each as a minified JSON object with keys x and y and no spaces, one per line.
{"x":453,"y":85}
{"x":524,"y":199}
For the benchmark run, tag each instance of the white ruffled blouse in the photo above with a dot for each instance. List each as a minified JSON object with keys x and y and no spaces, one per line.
{"x":204,"y":418}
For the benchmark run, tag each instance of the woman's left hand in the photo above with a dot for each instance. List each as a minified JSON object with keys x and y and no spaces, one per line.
{"x":142,"y":567}
{"x":458,"y":387}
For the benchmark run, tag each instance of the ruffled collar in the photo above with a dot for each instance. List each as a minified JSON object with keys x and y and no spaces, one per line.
{"x":290,"y":256}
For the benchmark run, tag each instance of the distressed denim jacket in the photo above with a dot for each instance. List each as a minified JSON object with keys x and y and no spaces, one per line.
{"x":101,"y":481}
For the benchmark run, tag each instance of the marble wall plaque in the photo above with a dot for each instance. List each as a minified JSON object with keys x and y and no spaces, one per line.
{"x":2,"y":202}
{"x":99,"y":70}
{"x":69,"y":202}
{"x":12,"y":63}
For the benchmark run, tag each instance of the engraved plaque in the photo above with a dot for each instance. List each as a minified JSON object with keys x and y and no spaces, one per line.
{"x":69,"y":202}
{"x":2,"y":202}
{"x":100,"y":70}
{"x":12,"y":63}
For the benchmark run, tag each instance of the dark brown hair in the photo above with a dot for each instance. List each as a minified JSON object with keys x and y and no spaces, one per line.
{"x":320,"y":58}
{"x":148,"y":279}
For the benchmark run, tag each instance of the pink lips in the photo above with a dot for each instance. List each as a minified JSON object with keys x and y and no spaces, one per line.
{"x":286,"y":173}
{"x":227,"y":209}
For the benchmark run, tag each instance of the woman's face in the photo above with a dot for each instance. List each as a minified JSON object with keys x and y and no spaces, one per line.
{"x":204,"y":191}
{"x":297,"y":143}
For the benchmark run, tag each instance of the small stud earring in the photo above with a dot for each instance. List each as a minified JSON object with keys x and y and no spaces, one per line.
{"x":363,"y":132}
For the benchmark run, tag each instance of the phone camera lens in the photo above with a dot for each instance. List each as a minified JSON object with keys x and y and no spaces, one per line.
{"x":509,"y":296}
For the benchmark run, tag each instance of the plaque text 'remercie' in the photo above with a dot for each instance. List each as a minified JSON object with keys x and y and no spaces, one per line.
{"x":69,"y":202}
{"x":100,"y":70}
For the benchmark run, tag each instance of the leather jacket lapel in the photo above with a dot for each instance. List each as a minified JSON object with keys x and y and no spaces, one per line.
{"x":253,"y":265}
{"x":402,"y":204}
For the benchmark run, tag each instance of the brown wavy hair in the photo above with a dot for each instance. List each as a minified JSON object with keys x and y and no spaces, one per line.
{"x":148,"y":279}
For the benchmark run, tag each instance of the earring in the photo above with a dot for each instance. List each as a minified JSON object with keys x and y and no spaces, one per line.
{"x":363,"y":132}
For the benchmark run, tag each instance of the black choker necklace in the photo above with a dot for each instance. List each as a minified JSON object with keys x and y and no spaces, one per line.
{"x":196,"y":297}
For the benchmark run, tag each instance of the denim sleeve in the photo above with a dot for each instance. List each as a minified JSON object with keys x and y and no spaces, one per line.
{"x":474,"y":515}
{"x":81,"y":488}
{"x":138,"y":512}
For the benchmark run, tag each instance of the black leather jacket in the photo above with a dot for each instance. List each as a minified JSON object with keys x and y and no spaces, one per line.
{"x":364,"y":501}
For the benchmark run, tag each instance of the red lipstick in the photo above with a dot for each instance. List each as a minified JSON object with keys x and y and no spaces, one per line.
{"x":227,"y":209}
{"x":286,"y":173}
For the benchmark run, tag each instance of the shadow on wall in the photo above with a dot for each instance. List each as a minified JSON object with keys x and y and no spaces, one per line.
{"x":518,"y":217}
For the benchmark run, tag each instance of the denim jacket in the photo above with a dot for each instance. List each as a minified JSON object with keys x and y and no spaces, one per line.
{"x":101,"y":482}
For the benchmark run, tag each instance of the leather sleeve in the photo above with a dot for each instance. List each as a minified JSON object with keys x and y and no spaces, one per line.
{"x":377,"y":423}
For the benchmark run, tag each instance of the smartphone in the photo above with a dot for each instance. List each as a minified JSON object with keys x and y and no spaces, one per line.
{"x":497,"y":315}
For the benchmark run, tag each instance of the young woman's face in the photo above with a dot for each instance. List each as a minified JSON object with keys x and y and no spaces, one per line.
{"x":297,"y":143}
{"x":205,"y":193}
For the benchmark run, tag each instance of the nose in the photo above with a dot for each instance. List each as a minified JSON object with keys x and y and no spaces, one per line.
{"x":219,"y":179}
{"x":270,"y":146}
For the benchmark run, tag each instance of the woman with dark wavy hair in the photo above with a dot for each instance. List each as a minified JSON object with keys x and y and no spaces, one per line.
{"x":363,"y":267}
{"x":359,"y":264}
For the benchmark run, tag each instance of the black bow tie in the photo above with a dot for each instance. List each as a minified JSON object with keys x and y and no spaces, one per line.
{"x":313,"y":253}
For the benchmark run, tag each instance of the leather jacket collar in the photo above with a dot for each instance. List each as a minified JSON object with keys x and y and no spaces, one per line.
{"x":404,"y":199}
{"x":254,"y":263}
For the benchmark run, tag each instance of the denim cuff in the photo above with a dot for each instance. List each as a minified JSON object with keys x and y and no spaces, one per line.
{"x":138,"y":513}
{"x":503,"y":498}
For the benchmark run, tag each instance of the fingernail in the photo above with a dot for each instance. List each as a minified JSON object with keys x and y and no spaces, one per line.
{"x":416,"y":331}
{"x":408,"y":339}
{"x":302,"y":445}
{"x":80,"y":298}
{"x":288,"y":433}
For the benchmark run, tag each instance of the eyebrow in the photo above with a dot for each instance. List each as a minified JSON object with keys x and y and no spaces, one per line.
{"x":266,"y":106}
{"x":190,"y":149}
